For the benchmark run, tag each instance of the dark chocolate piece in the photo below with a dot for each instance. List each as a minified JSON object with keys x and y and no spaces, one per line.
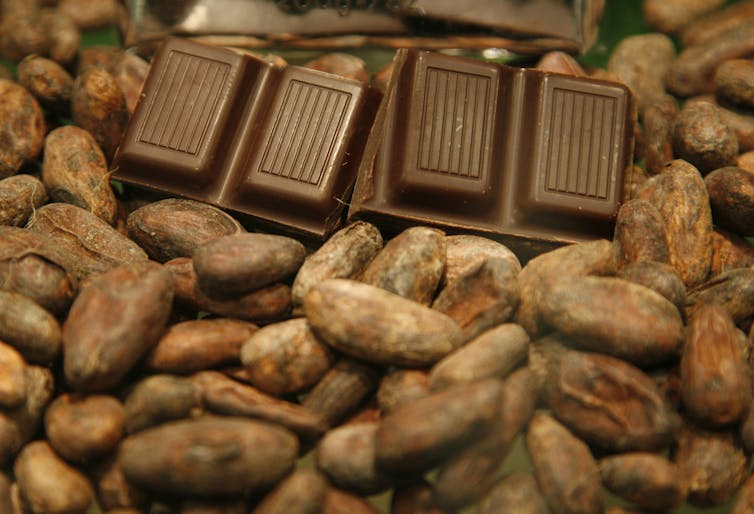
{"x":281,"y":145}
{"x":532,"y":158}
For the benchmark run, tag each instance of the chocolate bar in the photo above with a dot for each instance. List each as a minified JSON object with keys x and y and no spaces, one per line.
{"x":279,"y":145}
{"x":532,"y":158}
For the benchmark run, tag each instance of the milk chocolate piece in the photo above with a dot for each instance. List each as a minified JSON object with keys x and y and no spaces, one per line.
{"x":533,"y":158}
{"x":280,"y":145}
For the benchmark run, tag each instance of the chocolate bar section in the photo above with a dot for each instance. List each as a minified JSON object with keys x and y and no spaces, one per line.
{"x":281,"y":145}
{"x":533,"y":158}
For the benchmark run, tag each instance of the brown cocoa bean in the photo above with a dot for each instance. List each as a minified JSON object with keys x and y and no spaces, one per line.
{"x":341,"y":502}
{"x":658,"y":118}
{"x":419,"y":436}
{"x":701,"y":137}
{"x":740,"y":120}
{"x":734,"y":81}
{"x":747,"y":430}
{"x":195,"y":345}
{"x":557,"y":61}
{"x":12,"y":377}
{"x":285,"y":357}
{"x":114,"y":321}
{"x":29,"y":328}
{"x":176,"y":227}
{"x":465,"y":252}
{"x":22,"y":128}
{"x":264,"y":305}
{"x":130,"y":71}
{"x":733,"y":290}
{"x":693,"y":70}
{"x":97,"y":57}
{"x":516,"y":492}
{"x":341,"y":390}
{"x":209,"y":456}
{"x":606,"y":401}
{"x":593,"y":258}
{"x":671,"y":16}
{"x":90,"y":15}
{"x":21,"y":35}
{"x":715,"y":377}
{"x":241,"y":263}
{"x":683,"y":202}
{"x":468,"y":476}
{"x":646,"y":479}
{"x":400,"y":387}
{"x":224,"y":395}
{"x":6,"y":505}
{"x":493,"y":354}
{"x":378,"y":326}
{"x":410,"y":265}
{"x":98,"y":106}
{"x":707,"y":28}
{"x":63,"y":35}
{"x":303,"y":492}
{"x":75,"y":171}
{"x":344,"y":255}
{"x":214,"y":507}
{"x":731,"y":194}
{"x":565,"y":469}
{"x":48,"y":485}
{"x":346,"y":455}
{"x":82,"y":429}
{"x":729,"y":251}
{"x":660,"y":277}
{"x":485,"y":296}
{"x":85,"y":244}
{"x":640,"y":233}
{"x":158,"y":399}
{"x":641,"y":62}
{"x":39,"y":279}
{"x":713,"y":465}
{"x":342,"y":64}
{"x":382,"y":77}
{"x":47,"y":80}
{"x":20,"y":195}
{"x":615,"y":316}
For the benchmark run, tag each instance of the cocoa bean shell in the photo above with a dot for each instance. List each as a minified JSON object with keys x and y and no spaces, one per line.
{"x":22,"y":128}
{"x":464,"y":252}
{"x":640,"y":233}
{"x":731,"y":194}
{"x":157,"y":399}
{"x":729,"y":251}
{"x":734,"y":290}
{"x":47,"y":80}
{"x":401,"y":386}
{"x":20,"y":195}
{"x":12,"y":377}
{"x":661,"y":278}
{"x":29,"y":328}
{"x":648,"y":480}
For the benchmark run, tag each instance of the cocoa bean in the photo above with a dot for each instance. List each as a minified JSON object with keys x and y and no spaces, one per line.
{"x":671,"y":16}
{"x":494,"y":354}
{"x":560,"y":62}
{"x":209,"y":456}
{"x":63,"y":35}
{"x":20,"y":195}
{"x":224,"y":395}
{"x":176,"y":227}
{"x":12,"y":377}
{"x":733,"y":290}
{"x":158,"y":399}
{"x":264,"y":305}
{"x":606,"y":401}
{"x":114,"y":321}
{"x":85,"y":244}
{"x":465,"y":252}
{"x":485,"y":296}
{"x":714,"y":24}
{"x":660,"y":277}
{"x":98,"y":106}
{"x":419,"y":436}
{"x":641,"y":62}
{"x":130,"y":71}
{"x":731,"y":194}
{"x":114,"y":491}
{"x":658,"y":118}
{"x":410,"y":265}
{"x":734,"y":80}
{"x":640,"y":233}
{"x":90,"y":15}
{"x":344,"y":255}
{"x":285,"y":357}
{"x":729,"y":251}
{"x":701,"y":137}
{"x":341,"y":502}
{"x":195,"y":345}
{"x":565,"y":469}
{"x":75,"y":171}
{"x":378,"y":326}
{"x":82,"y":429}
{"x":646,"y":479}
{"x":745,"y":501}
{"x":22,"y":128}
{"x":414,"y":499}
{"x":48,"y":485}
{"x":29,"y":328}
{"x":342,"y":64}
{"x":341,"y":390}
{"x":346,"y":455}
{"x":715,"y":377}
{"x":47,"y":80}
